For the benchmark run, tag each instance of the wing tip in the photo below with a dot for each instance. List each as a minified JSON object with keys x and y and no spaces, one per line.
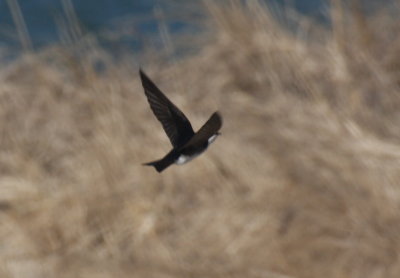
{"x":218,"y":115}
{"x":147,"y":83}
{"x":142,"y":74}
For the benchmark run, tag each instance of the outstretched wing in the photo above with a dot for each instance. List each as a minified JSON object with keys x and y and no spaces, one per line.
{"x":211,"y":127}
{"x":174,"y":122}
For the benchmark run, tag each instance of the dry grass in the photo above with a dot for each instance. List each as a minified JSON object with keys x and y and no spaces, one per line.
{"x":304,"y":181}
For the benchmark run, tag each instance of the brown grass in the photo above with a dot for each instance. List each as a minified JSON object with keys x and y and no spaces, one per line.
{"x":304,"y":181}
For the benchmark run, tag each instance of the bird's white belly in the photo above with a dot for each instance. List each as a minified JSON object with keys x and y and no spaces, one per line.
{"x":182,"y":159}
{"x":212,"y":138}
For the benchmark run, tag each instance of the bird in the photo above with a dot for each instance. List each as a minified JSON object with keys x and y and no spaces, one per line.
{"x":186,"y":144}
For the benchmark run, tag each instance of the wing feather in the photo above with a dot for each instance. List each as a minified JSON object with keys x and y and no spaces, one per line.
{"x":211,"y":127}
{"x":175,"y":124}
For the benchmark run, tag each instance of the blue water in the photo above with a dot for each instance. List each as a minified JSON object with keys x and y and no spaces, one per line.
{"x":117,"y":23}
{"x":44,"y":18}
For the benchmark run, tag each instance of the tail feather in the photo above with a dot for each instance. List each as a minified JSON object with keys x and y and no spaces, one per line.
{"x":159,"y":165}
{"x":163,"y":163}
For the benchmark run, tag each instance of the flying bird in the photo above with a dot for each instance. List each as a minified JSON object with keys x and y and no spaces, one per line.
{"x":185,"y":142}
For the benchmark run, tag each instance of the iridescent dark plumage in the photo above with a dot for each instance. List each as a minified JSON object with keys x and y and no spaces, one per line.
{"x":185,"y":142}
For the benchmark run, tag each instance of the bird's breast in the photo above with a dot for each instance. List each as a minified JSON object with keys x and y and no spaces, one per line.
{"x":182,"y":159}
{"x":189,"y":153}
{"x":212,"y":139}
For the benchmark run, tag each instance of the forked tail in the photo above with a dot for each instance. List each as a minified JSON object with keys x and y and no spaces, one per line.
{"x":157,"y":165}
{"x":160,"y":165}
{"x":163,"y":163}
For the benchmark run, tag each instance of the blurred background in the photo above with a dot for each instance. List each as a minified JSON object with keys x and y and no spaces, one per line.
{"x":122,"y":23}
{"x":303,"y":182}
{"x":127,"y":25}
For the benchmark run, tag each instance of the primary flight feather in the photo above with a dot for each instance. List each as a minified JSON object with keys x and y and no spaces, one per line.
{"x":185,"y":142}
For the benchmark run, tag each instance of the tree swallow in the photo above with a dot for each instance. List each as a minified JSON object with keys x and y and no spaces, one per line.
{"x":185,"y":142}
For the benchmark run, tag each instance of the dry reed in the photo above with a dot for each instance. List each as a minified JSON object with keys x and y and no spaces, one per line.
{"x":303,"y":182}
